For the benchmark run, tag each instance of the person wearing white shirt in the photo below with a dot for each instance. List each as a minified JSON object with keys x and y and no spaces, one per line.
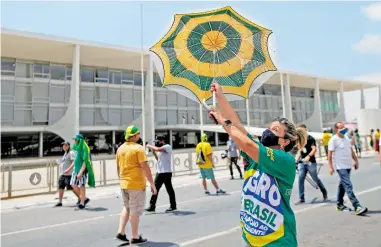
{"x":164,"y":174}
{"x":340,"y":155}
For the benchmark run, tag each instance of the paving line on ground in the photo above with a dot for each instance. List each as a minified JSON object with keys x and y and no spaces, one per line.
{"x":111,"y":215}
{"x":234,"y":229}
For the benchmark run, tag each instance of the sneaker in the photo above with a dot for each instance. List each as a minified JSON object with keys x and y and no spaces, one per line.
{"x":78,"y":202}
{"x":87,"y":201}
{"x":80,"y":206}
{"x":207,"y":192}
{"x":169,"y":210}
{"x":221,"y":191}
{"x":300,"y":202}
{"x":139,"y":240}
{"x":343,"y":208}
{"x":150,"y":210}
{"x":122,"y":237}
{"x":360,"y":210}
{"x":325,"y":199}
{"x":59,"y":204}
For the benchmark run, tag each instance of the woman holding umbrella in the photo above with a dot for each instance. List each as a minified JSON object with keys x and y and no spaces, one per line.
{"x":266,"y":215}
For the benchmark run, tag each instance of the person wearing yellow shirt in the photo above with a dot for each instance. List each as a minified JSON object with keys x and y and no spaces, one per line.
{"x":325,"y":139}
{"x":133,"y":170}
{"x":377,"y":141}
{"x":204,"y":160}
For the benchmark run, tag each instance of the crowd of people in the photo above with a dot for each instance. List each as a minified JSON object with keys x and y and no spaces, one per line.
{"x":268,"y":177}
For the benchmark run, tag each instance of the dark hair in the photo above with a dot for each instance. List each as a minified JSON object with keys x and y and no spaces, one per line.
{"x":303,"y":126}
{"x":297,"y":136}
{"x":335,"y":126}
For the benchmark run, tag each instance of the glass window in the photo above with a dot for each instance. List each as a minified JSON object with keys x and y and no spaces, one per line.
{"x":58,"y":72}
{"x":128,"y":77}
{"x":24,"y":70}
{"x":21,"y":145}
{"x":157,"y":81}
{"x":101,"y":75}
{"x":41,"y":70}
{"x":8,"y":66}
{"x":87,"y":75}
{"x":115,"y":77}
{"x":99,"y":143}
{"x":137,"y":79}
{"x":53,"y":145}
{"x":68,"y":72}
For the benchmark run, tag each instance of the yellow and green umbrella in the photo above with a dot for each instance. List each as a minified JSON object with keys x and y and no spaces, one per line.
{"x":218,"y":45}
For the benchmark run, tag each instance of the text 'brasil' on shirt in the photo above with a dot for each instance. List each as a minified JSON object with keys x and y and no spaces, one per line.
{"x":261,"y":210}
{"x":266,"y":216}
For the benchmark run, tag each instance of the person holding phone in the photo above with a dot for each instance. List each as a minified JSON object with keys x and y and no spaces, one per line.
{"x":266,"y":216}
{"x":133,"y":170}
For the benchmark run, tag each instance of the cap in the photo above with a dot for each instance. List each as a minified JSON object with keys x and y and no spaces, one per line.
{"x":78,"y":136}
{"x":65,"y":143}
{"x":204,"y":137}
{"x":131,"y":131}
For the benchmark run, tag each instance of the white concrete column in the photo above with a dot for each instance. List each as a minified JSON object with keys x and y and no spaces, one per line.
{"x":379,"y":97}
{"x":362,"y":98}
{"x":216,"y":138}
{"x":317,"y":107}
{"x":68,"y":126}
{"x":287,"y":97}
{"x":341,"y":115}
{"x":282,"y":91}
{"x":171,"y":138}
{"x":113,"y":141}
{"x":41,"y":145}
{"x":342,"y":106}
{"x":201,"y":119}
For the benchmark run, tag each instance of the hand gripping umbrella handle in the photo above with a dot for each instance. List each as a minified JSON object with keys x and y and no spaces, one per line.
{"x":209,"y":108}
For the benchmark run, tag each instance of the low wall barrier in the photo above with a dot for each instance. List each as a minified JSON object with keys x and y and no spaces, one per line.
{"x":41,"y":177}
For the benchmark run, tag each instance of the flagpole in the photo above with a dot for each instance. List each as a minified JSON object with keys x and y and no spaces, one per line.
{"x":142,"y":71}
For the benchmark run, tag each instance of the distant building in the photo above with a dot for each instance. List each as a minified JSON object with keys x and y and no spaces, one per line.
{"x":53,"y":87}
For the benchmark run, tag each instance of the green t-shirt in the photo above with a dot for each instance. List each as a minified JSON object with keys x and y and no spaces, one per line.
{"x":266,"y":215}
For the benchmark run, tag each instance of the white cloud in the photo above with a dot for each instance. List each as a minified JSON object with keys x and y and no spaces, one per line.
{"x":373,"y":11}
{"x":370,"y":43}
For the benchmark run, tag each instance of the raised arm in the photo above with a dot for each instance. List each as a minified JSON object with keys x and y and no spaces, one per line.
{"x":226,"y":109}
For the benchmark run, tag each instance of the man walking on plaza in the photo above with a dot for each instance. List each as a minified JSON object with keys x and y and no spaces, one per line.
{"x":308,"y":164}
{"x":233,"y":156}
{"x":65,"y":167}
{"x":340,"y":155}
{"x":164,"y":174}
{"x":132,"y":170}
{"x":204,"y":156}
{"x":83,"y":170}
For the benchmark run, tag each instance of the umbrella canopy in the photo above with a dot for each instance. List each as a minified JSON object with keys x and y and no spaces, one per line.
{"x":216,"y":45}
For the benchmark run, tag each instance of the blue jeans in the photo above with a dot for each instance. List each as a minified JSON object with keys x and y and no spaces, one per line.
{"x":303,"y":168}
{"x":345,"y":186}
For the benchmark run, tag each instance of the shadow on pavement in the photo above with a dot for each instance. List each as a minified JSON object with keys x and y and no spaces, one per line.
{"x":175,"y":213}
{"x":374,"y":212}
{"x":318,"y":201}
{"x":95,"y":209}
{"x":154,"y":244}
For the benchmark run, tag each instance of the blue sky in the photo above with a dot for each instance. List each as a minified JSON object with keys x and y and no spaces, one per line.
{"x":311,"y":37}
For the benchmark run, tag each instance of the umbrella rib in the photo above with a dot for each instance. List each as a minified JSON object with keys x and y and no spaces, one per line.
{"x":219,"y":28}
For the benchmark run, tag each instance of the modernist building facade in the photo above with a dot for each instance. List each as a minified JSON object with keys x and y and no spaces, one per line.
{"x":52,"y":88}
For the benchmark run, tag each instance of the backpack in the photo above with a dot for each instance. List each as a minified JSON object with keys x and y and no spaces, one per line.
{"x":200,"y":157}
